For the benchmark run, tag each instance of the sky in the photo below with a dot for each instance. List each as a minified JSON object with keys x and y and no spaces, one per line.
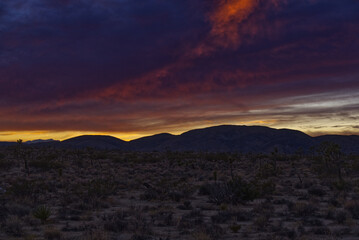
{"x":131,"y":68}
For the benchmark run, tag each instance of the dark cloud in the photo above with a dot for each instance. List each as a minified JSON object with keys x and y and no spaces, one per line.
{"x":139,"y":65}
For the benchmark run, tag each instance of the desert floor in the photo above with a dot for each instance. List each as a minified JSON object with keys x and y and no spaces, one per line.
{"x":89,"y":194}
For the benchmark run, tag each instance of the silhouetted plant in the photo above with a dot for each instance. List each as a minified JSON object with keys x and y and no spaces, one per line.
{"x":235,"y":228}
{"x":215,"y":176}
{"x":22,"y":188}
{"x":274,"y":158}
{"x":4,"y":163}
{"x":115,"y":222}
{"x":42,"y":213}
{"x":237,"y":190}
{"x":45,"y":163}
{"x":14,"y":226}
{"x":353,"y":208}
{"x":22,"y":155}
{"x":52,"y":234}
{"x":332,"y":157}
{"x":243,"y":190}
{"x":97,"y":189}
{"x":304,"y":209}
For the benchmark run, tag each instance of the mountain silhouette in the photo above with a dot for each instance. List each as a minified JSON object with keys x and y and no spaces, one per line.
{"x":95,"y":141}
{"x":152,"y":143}
{"x":224,"y":138}
{"x":349,"y":144}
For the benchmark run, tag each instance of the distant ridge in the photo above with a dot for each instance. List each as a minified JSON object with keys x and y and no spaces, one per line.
{"x":349,"y":144}
{"x":223,"y":138}
{"x":40,"y":141}
{"x":6,"y":144}
{"x":95,"y":141}
{"x":150,"y":143}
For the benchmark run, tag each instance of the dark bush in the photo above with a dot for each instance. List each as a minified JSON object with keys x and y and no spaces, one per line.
{"x":243,"y":190}
{"x":101,"y":188}
{"x":4,"y":163}
{"x":115,"y":222}
{"x":42,"y":213}
{"x":353,"y":208}
{"x":18,"y":210}
{"x":340,"y":216}
{"x":237,"y":190}
{"x":52,"y":234}
{"x":22,"y":188}
{"x":222,"y":217}
{"x":317,"y":191}
{"x":14,"y":226}
{"x":304,"y":209}
{"x":45,"y":164}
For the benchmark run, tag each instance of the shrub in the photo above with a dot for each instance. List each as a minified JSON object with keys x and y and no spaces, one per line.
{"x":235,"y":228}
{"x":219,"y":193}
{"x":95,"y":234}
{"x":18,"y":209}
{"x":222,"y":217}
{"x":321,"y":231}
{"x":190,"y":220}
{"x":100,"y":188}
{"x":353,"y":207}
{"x":163,"y":218}
{"x":340,"y":216}
{"x":317,"y":191}
{"x":214,"y":231}
{"x":115,"y":222}
{"x":52,"y":234}
{"x":304,"y":209}
{"x":201,"y":236}
{"x":341,"y":185}
{"x":243,"y":216}
{"x":4,"y":163}
{"x":261,"y":221}
{"x":45,"y":164}
{"x":237,"y":190}
{"x":243,"y":190}
{"x":266,"y":187}
{"x":3,"y":213}
{"x":42,"y":213}
{"x":22,"y":188}
{"x":14,"y":226}
{"x":140,"y":224}
{"x":141,"y":237}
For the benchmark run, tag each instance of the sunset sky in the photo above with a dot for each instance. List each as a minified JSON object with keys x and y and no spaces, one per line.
{"x":130,"y":68}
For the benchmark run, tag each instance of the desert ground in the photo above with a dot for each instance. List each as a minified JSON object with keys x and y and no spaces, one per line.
{"x":51,"y":193}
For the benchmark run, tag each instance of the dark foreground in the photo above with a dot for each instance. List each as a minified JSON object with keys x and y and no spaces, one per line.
{"x":89,"y":194}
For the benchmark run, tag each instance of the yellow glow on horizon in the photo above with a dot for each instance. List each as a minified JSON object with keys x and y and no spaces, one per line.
{"x":12,"y":136}
{"x":321,"y":127}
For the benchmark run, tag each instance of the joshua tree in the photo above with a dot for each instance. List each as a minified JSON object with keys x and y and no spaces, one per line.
{"x":274,"y":157}
{"x":332,"y":155}
{"x":231,"y":161}
{"x":20,"y":153}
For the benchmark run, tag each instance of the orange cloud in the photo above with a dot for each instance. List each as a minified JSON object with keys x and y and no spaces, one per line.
{"x":225,"y":20}
{"x":232,"y":22}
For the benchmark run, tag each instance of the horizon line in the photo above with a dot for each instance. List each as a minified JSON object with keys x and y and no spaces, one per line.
{"x":175,"y":134}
